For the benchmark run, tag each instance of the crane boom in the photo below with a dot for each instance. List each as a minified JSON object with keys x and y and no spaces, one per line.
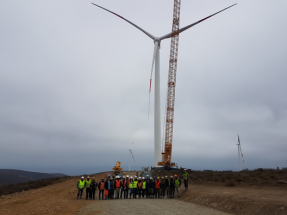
{"x":171,"y":86}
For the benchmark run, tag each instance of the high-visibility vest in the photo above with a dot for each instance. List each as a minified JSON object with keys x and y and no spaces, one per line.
{"x":144,"y":185}
{"x":118,"y":183}
{"x":88,"y":183}
{"x":185,"y":175}
{"x":140,"y":184}
{"x":131,"y":185}
{"x":102,"y":185}
{"x":81,"y":184}
{"x":157,"y":184}
{"x":135,"y":185}
{"x":177,"y":182}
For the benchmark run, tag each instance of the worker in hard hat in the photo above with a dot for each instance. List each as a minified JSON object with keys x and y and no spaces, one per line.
{"x":135,"y":187}
{"x":80,"y":186}
{"x":157,"y":188}
{"x":166,"y":181}
{"x":124,"y":186}
{"x":140,"y":187}
{"x":113,"y":187}
{"x":118,"y":187}
{"x":162,"y":187}
{"x":185,"y":179}
{"x":152,"y":185}
{"x":148,"y":186}
{"x":177,"y":183}
{"x":101,"y":187}
{"x":171,"y":187}
{"x":143,"y":187}
{"x":94,"y":185}
{"x":131,"y":186}
{"x":108,"y":187}
{"x":88,"y":186}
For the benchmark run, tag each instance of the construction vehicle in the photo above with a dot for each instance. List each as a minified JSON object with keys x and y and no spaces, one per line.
{"x":117,"y":168}
{"x":166,"y":155}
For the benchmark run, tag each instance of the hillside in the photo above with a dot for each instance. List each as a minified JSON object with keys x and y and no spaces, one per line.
{"x":13,"y":176}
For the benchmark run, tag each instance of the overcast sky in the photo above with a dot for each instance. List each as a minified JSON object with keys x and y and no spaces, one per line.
{"x":74,"y":84}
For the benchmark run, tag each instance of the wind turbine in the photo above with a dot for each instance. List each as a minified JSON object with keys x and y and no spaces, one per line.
{"x":156,"y":64}
{"x":239,"y":152}
{"x":131,"y":153}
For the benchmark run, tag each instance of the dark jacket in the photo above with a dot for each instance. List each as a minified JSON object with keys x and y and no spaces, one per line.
{"x":162,"y":184}
{"x":94,"y":185}
{"x":148,"y":184}
{"x":171,"y":183}
{"x":152,"y":184}
{"x":166,"y":181}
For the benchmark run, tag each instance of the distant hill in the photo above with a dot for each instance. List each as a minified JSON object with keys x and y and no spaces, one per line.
{"x":13,"y":176}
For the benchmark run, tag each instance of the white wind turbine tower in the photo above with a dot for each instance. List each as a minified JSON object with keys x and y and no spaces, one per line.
{"x":131,"y":154}
{"x":239,"y":152}
{"x":156,"y":63}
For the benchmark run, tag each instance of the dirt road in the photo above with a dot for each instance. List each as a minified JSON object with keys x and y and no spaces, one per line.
{"x":146,"y":207}
{"x":61,"y":199}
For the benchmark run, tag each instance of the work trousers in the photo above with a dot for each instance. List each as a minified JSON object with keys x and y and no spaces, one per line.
{"x":125,"y":191}
{"x":80,"y":192}
{"x":167,"y":192}
{"x":117,"y":193}
{"x":92,"y":194}
{"x":131,"y":192}
{"x":177,"y":192}
{"x":151,"y":192}
{"x":147,"y":193}
{"x":111,"y":193}
{"x":156,"y":192}
{"x":143,"y":192}
{"x":186,"y":184}
{"x":171,"y":192}
{"x":88,"y":190}
{"x":101,"y":192}
{"x":140,"y":193}
{"x":162,"y":192}
{"x":135,"y":192}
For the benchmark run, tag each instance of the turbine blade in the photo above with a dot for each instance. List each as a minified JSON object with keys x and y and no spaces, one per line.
{"x":238,"y":139}
{"x":193,"y":24}
{"x":133,"y":156}
{"x":148,"y":34}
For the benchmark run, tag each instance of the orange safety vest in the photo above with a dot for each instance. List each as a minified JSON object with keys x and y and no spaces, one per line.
{"x":102,"y":185}
{"x":118,"y":183}
{"x":157,"y":184}
{"x":140,"y":185}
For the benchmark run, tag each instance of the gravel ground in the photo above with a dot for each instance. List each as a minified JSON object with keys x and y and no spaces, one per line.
{"x":146,"y":207}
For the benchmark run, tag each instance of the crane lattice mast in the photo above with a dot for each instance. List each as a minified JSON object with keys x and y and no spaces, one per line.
{"x":171,"y":86}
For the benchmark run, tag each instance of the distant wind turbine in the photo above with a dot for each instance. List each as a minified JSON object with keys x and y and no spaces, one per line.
{"x":239,"y":153}
{"x":156,"y":63}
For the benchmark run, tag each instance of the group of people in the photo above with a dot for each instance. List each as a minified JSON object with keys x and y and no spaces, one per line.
{"x":116,"y":187}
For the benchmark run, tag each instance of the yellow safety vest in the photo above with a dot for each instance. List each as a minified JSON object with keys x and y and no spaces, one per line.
{"x":177,"y":182}
{"x":88,"y":184}
{"x":185,"y":176}
{"x":144,"y":185}
{"x":131,"y":185}
{"x":81,"y":184}
{"x":135,"y":184}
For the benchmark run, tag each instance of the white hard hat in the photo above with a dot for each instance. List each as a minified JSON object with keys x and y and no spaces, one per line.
{"x":135,"y":176}
{"x":88,"y":177}
{"x":124,"y":177}
{"x":147,"y":176}
{"x":143,"y":178}
{"x":166,"y":176}
{"x":131,"y":177}
{"x":150,"y":178}
{"x":128,"y":176}
{"x":82,"y":177}
{"x":140,"y":177}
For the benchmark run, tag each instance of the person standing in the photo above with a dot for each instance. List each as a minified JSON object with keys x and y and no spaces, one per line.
{"x":177,"y":183}
{"x":185,"y":179}
{"x":162,"y":187}
{"x":171,"y":187}
{"x":157,"y":187}
{"x":148,"y":186}
{"x":124,"y":186}
{"x":135,"y":187}
{"x":166,"y":181}
{"x":108,"y":186}
{"x":140,"y":187}
{"x":152,"y":185}
{"x":131,"y":186}
{"x":88,"y":187}
{"x":118,"y":187}
{"x":113,"y":186}
{"x":94,"y":185}
{"x":80,"y":186}
{"x":101,"y":188}
{"x":143,"y":187}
